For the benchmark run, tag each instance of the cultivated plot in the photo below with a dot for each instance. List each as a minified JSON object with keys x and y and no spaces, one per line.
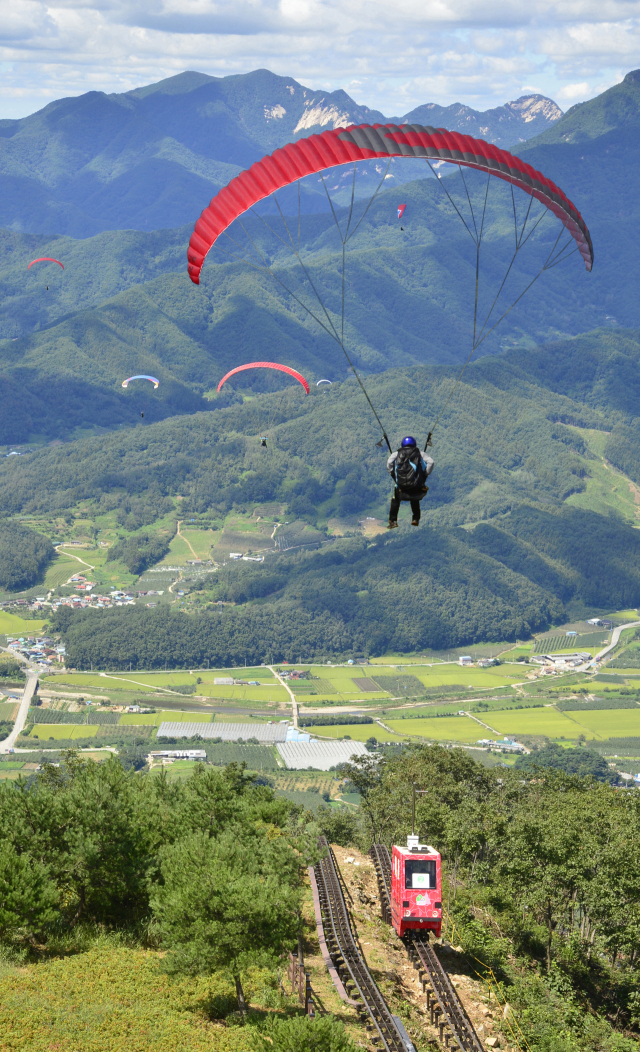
{"x":154,"y":719}
{"x":358,"y":732}
{"x":544,"y":721}
{"x":443,"y":728}
{"x":65,"y":730}
{"x":609,"y":723}
{"x":13,"y":625}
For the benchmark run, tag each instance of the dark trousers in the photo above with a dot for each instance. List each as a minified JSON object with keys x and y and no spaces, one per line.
{"x":395,"y":505}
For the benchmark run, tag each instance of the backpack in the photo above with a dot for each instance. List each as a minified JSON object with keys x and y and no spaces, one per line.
{"x":409,"y":469}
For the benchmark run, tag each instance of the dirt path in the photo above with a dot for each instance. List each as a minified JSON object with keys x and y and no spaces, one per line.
{"x":294,"y":703}
{"x":188,"y":543}
{"x":76,"y":557}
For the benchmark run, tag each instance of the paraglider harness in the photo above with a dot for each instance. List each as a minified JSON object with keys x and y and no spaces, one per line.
{"x":410,"y":472}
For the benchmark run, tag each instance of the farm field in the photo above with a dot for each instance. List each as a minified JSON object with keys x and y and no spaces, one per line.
{"x":14,"y":625}
{"x":175,"y":770}
{"x":150,"y":682}
{"x":44,"y":731}
{"x":444,"y":728}
{"x":441,"y":674}
{"x":358,"y":732}
{"x":629,"y":673}
{"x":201,"y":541}
{"x":154,"y":719}
{"x":610,"y":723}
{"x":544,"y":721}
{"x":62,"y":567}
{"x":483,"y":678}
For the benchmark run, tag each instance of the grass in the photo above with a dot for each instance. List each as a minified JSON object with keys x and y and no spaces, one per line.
{"x":201,"y":541}
{"x":606,"y":488}
{"x":114,"y":1000}
{"x":176,"y":770}
{"x":179,"y":552}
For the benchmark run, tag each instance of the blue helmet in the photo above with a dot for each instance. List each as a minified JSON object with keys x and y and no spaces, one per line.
{"x":409,"y":441}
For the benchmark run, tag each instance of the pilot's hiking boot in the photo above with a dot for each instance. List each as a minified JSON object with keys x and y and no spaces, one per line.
{"x":415,"y":522}
{"x":392,"y":525}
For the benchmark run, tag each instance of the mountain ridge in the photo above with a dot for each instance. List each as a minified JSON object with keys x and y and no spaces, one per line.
{"x":152,"y":157}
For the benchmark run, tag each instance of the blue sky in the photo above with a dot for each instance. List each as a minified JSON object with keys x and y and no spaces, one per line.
{"x":391,"y":57}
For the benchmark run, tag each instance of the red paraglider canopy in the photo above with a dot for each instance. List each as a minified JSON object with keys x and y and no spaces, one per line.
{"x":267,"y":365}
{"x":401,"y":209}
{"x":45,"y":259}
{"x":363,"y":142}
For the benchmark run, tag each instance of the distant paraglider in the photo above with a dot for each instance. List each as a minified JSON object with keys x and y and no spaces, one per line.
{"x":266,"y":365}
{"x":45,"y":259}
{"x":156,"y":383}
{"x":401,"y":209}
{"x":323,"y":382}
{"x":142,"y":376}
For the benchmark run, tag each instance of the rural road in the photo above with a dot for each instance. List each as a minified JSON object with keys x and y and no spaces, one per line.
{"x":27,"y":694}
{"x":294,"y":703}
{"x":615,"y":636}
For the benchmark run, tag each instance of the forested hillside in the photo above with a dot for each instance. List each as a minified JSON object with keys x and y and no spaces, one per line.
{"x":172,"y":904}
{"x":437,"y":589}
{"x":528,"y":862}
{"x":124,"y":302}
{"x":501,"y":441}
{"x":24,"y":556}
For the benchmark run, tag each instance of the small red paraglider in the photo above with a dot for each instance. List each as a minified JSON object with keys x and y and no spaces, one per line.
{"x":267,"y":365}
{"x":45,"y":259}
{"x":401,"y":209}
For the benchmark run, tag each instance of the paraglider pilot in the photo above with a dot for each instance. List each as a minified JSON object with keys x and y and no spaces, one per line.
{"x":263,"y":440}
{"x":409,"y":469}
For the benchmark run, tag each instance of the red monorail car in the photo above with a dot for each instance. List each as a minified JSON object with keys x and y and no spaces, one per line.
{"x":416,"y":898}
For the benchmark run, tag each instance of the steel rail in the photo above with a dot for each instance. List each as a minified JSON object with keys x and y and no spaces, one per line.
{"x":347,"y":958}
{"x":446,"y":1008}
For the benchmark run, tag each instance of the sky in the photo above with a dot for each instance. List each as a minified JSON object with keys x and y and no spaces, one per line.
{"x":391,"y":57}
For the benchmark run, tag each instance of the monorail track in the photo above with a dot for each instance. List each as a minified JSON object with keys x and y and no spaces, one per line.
{"x":389,"y":1032}
{"x":446,"y":1009}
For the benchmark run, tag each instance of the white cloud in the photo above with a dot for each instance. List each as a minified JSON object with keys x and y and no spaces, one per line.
{"x":571,"y":92}
{"x":389,"y":56}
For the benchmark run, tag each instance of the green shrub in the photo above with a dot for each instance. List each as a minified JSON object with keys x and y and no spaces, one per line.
{"x":301,"y":1034}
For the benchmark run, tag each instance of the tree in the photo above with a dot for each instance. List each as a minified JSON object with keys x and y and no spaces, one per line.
{"x":227,"y":903}
{"x":28,"y":896}
{"x":543,"y":862}
{"x":582,"y":761}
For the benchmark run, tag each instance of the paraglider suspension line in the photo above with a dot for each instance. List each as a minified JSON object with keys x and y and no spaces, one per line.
{"x":556,"y":255}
